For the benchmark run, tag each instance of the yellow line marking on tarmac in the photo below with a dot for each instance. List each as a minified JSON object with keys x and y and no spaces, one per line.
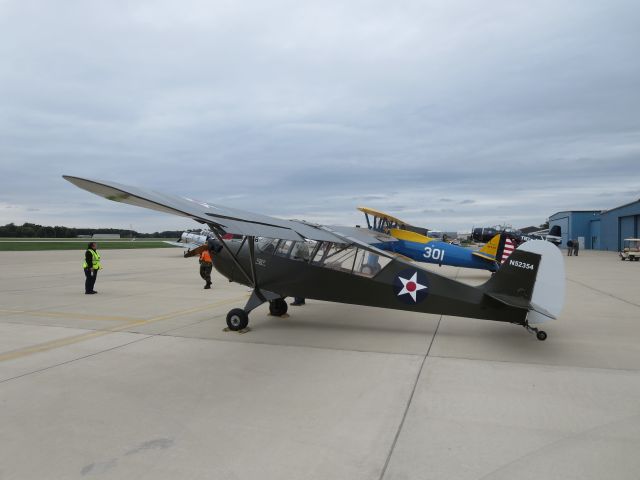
{"x":79,"y":316}
{"x":63,"y":342}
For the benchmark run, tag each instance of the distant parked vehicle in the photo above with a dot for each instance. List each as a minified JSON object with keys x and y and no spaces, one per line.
{"x":631,"y":250}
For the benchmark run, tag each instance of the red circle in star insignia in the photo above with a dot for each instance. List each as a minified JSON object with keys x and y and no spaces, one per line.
{"x":411,"y":286}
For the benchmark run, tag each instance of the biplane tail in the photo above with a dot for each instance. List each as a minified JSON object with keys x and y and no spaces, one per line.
{"x":532,"y":278}
{"x":490,"y":250}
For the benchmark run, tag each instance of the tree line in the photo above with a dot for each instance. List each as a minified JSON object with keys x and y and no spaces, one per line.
{"x":31,"y":230}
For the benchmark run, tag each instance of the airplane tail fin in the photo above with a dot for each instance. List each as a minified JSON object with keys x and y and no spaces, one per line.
{"x":490,"y":250}
{"x":532,"y":278}
{"x":507,"y":246}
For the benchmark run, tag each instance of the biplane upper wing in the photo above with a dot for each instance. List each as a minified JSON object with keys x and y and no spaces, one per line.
{"x":382,"y":215}
{"x":229,"y":220}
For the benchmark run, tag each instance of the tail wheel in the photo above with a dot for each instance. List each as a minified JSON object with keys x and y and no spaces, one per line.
{"x":541,"y":335}
{"x":237,"y":319}
{"x":278,"y":307}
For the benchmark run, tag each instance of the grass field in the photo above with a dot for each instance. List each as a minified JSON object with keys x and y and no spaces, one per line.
{"x":31,"y":244}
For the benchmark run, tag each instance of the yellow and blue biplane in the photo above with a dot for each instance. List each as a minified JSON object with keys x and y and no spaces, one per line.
{"x":415,"y":243}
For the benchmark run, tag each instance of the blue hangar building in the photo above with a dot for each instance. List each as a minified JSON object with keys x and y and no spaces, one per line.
{"x":599,"y":229}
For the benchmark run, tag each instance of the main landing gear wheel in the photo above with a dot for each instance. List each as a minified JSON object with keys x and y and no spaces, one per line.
{"x":278,"y":307}
{"x":237,"y":319}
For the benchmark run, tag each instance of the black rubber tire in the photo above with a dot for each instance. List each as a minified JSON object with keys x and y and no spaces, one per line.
{"x":541,"y":335}
{"x":237,"y":319}
{"x":278,"y":307}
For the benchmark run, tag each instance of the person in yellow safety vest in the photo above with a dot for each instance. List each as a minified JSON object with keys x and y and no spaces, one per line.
{"x":206,"y":265}
{"x":91,"y":266}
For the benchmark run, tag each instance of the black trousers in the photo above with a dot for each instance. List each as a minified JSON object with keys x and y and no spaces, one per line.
{"x":205,"y":272}
{"x":90,"y":280}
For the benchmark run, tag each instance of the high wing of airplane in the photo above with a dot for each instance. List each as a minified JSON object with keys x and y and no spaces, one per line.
{"x":415,"y":243}
{"x":284,"y":258}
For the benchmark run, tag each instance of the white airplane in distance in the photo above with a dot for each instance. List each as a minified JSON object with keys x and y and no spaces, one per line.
{"x":192,"y":238}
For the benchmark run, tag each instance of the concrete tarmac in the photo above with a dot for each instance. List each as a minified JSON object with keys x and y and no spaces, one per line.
{"x":140,"y":381}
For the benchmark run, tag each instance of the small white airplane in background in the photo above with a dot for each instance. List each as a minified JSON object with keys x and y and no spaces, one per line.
{"x":192,"y":238}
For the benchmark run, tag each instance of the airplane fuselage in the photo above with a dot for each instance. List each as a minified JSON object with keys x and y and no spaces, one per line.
{"x":398,"y":285}
{"x":440,"y":253}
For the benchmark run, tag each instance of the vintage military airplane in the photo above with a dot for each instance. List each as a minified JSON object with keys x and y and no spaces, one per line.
{"x":195,"y":240}
{"x":415,"y":243}
{"x":192,"y":238}
{"x":288,"y":258}
{"x":484,"y":234}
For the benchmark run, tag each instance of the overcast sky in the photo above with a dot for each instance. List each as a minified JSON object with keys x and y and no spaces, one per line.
{"x":448,"y":114}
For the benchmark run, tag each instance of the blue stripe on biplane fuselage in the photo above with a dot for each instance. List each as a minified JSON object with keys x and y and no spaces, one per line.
{"x":440,"y":253}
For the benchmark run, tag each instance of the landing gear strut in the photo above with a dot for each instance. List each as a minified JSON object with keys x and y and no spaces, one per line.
{"x":540,"y":334}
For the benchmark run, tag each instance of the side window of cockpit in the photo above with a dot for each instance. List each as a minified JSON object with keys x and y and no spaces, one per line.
{"x":284,"y":247}
{"x":303,"y":250}
{"x":368,"y":264}
{"x":321,"y":252}
{"x":340,"y":257}
{"x":268,"y":245}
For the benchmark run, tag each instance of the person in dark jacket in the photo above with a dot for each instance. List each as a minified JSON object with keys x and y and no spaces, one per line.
{"x":91,"y":266}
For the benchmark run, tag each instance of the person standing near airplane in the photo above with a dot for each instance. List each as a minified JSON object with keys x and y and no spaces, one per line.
{"x":576,"y":247}
{"x":570,"y":248}
{"x":91,"y":266}
{"x":206,"y":265}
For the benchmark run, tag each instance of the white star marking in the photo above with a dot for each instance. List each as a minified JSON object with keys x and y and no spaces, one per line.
{"x":411,"y":286}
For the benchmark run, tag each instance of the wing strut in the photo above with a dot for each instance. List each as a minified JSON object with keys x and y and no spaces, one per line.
{"x":258,"y":296}
{"x":234,"y":258}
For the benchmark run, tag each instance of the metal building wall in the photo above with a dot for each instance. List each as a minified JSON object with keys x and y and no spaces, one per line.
{"x":574,"y":225}
{"x":618,"y":224}
{"x":581,"y":226}
{"x":595,"y":240}
{"x":601,"y":230}
{"x":561,"y":219}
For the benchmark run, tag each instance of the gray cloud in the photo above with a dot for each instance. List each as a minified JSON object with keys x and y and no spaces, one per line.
{"x":305,"y":110}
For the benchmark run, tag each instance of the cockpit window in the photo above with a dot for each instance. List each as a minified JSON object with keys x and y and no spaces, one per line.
{"x":302,"y":250}
{"x":349,"y":258}
{"x":284,"y":248}
{"x":268,"y":245}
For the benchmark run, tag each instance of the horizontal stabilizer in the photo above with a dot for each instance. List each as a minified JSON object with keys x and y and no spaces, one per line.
{"x":519,"y":302}
{"x":510,"y":300}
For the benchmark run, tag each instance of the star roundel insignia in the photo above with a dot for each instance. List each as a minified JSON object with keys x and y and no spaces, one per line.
{"x":411,"y":286}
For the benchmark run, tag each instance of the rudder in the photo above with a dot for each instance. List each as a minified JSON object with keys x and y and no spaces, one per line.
{"x":532,"y":278}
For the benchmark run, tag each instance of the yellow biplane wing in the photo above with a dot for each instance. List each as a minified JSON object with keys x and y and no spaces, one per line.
{"x":383,"y":216}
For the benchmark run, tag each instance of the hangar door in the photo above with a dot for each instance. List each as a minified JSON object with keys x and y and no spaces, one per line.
{"x":626,"y":227}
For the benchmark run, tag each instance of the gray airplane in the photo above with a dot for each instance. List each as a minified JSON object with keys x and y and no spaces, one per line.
{"x":289,"y":258}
